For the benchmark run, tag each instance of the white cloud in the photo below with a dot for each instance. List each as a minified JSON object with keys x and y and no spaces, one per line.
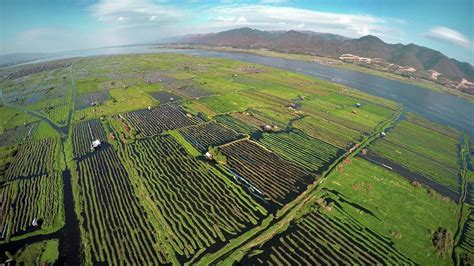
{"x":241,"y":19}
{"x":267,"y":16}
{"x":127,"y":22}
{"x":272,"y":1}
{"x":135,"y":11}
{"x":451,"y":36}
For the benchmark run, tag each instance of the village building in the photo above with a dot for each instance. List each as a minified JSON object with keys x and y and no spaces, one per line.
{"x":95,"y":144}
{"x":208,"y":155}
{"x":267,"y":128}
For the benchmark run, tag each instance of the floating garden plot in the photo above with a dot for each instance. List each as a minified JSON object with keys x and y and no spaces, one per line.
{"x":209,"y":134}
{"x":198,"y":206}
{"x":307,"y":152}
{"x":235,"y":124}
{"x":84,"y":134}
{"x":159,"y":119}
{"x":33,"y":159}
{"x":112,"y":214}
{"x":31,"y":204}
{"x":91,"y":99}
{"x":165,"y":96}
{"x":20,"y":134}
{"x":269,"y":175}
{"x":418,"y":148}
{"x":322,"y":239}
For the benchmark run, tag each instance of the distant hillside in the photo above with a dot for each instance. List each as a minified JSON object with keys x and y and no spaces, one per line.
{"x":332,"y":45}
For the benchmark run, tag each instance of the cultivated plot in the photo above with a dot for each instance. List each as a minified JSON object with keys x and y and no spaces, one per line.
{"x":196,"y":206}
{"x":203,"y":136}
{"x":159,"y":119}
{"x":265,"y":173}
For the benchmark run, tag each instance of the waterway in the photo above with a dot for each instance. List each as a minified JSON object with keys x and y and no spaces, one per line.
{"x":443,"y":108}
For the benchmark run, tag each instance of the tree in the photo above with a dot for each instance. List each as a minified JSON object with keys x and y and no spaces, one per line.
{"x":217,"y":155}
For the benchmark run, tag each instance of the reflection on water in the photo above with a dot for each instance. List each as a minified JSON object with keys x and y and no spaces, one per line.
{"x":439,"y":107}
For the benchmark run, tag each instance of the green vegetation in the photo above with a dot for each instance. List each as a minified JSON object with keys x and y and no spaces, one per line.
{"x":415,"y":144}
{"x":38,"y":253}
{"x":311,"y":154}
{"x":361,"y":186}
{"x":264,"y":173}
{"x":326,"y":235}
{"x":212,"y":205}
{"x":203,"y":136}
{"x":339,"y":64}
{"x":282,"y":184}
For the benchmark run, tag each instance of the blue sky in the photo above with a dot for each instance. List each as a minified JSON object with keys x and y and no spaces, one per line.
{"x":54,"y":25}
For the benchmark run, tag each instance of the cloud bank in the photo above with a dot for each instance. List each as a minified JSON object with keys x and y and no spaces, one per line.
{"x":445,"y":34}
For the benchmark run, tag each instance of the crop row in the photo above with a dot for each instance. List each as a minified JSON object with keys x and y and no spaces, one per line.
{"x":209,"y":134}
{"x":90,"y":99}
{"x":269,"y":175}
{"x":115,"y":226}
{"x":159,"y":119}
{"x":328,"y":131}
{"x":423,"y":151}
{"x":197,"y":207}
{"x":256,"y":119}
{"x":164,"y":96}
{"x":345,"y":122}
{"x":84,"y":133}
{"x":33,"y":159}
{"x":320,"y":239}
{"x":24,"y":200}
{"x":310,"y":153}
{"x":467,"y":236}
{"x":234,"y":123}
{"x":20,"y":134}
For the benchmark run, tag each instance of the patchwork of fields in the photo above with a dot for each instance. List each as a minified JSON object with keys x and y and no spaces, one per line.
{"x":424,"y":148}
{"x":180,"y":159}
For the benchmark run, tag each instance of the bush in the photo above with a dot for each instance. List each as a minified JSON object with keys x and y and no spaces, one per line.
{"x":217,"y":155}
{"x":443,"y":241}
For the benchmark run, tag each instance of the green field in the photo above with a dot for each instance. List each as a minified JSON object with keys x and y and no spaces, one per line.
{"x":424,"y":148}
{"x":403,"y":216}
{"x":212,"y":161}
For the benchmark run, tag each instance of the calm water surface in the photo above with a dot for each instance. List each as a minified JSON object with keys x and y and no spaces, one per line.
{"x":439,"y":107}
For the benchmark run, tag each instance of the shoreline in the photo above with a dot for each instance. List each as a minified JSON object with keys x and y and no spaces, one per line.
{"x":336,"y":64}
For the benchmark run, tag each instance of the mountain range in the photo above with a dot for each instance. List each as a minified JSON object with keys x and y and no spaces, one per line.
{"x":421,"y":58}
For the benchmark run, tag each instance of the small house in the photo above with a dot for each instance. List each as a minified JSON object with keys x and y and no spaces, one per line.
{"x":95,"y":144}
{"x":358,"y":105}
{"x":149,"y":108}
{"x":4,"y":230}
{"x":267,"y":128}
{"x":35,"y":222}
{"x":383,"y":134}
{"x":208,"y":155}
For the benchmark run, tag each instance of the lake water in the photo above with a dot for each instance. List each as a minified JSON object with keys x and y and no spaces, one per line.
{"x":439,"y":107}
